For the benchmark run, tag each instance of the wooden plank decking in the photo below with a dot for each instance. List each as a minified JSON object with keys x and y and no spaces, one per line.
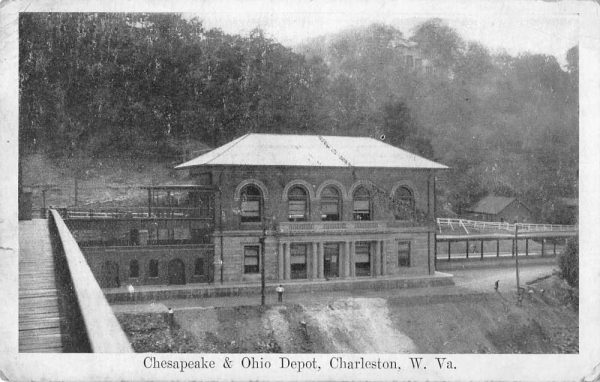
{"x":39,"y":299}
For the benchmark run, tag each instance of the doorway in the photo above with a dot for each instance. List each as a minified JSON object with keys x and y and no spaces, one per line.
{"x":331,"y":263}
{"x":176,"y":272}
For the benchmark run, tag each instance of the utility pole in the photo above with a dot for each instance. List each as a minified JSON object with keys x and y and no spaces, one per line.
{"x":517,"y":257}
{"x":76,"y":190}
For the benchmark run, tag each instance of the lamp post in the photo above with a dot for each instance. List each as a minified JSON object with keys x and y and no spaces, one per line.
{"x":262,"y":262}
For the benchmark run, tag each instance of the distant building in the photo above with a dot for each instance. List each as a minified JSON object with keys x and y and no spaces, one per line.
{"x":319,"y":207}
{"x":412,"y":58}
{"x":500,"y":208}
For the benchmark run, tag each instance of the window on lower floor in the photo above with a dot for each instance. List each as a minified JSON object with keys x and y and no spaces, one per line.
{"x":298,"y":261}
{"x":134,"y":268}
{"x":362,"y":259}
{"x":404,"y":253}
{"x":251,"y":259}
{"x":153,"y":268}
{"x":199,"y":267}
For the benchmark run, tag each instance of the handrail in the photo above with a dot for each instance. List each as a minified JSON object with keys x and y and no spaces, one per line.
{"x":104,"y":333}
{"x":137,"y":212}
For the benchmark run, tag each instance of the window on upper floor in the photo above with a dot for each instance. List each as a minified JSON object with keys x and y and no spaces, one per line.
{"x":331,"y":204}
{"x":404,"y":204}
{"x":251,"y":204}
{"x":297,"y":204}
{"x":361,"y":204}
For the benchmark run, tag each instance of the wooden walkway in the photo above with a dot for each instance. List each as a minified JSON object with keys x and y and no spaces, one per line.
{"x":39,"y":299}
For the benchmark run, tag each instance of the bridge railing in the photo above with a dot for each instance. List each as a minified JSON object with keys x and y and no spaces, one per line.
{"x":102,"y":330}
{"x":137,"y":213}
{"x":467,"y":225}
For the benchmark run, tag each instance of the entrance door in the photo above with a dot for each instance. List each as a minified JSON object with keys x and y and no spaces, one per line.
{"x":110,"y":275}
{"x":176,"y":272}
{"x":331,"y":259}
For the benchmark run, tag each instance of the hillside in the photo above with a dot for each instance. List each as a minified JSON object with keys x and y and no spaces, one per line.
{"x":110,"y":181}
{"x":546,"y":322}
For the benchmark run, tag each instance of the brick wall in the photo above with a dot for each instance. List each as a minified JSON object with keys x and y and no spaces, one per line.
{"x":275,"y":180}
{"x":122,"y":256}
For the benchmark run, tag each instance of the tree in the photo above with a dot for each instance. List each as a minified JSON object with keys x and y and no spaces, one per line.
{"x":439,"y":43}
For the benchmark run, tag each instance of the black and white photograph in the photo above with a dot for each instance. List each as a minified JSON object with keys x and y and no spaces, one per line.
{"x":260,"y":190}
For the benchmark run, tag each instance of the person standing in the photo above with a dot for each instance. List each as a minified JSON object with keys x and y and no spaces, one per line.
{"x":279,"y":291}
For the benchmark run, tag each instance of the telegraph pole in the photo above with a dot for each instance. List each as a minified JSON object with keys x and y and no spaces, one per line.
{"x":517,"y":257}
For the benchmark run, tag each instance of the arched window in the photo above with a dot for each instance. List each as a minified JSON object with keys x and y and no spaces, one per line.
{"x":297,"y":204}
{"x":404,"y":204}
{"x":153,"y":268}
{"x":134,"y":268}
{"x":252,"y":202}
{"x":362,"y":204}
{"x":331,"y":204}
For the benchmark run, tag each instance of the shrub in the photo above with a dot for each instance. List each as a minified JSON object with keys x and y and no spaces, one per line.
{"x":568,"y":261}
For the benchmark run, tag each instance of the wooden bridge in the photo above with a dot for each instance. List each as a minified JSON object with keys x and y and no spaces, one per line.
{"x":61,"y":306}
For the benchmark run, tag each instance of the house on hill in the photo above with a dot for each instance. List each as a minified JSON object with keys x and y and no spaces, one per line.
{"x":500,"y":208}
{"x":318,"y":207}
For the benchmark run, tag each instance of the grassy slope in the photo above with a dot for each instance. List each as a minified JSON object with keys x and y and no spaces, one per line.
{"x":481,"y":323}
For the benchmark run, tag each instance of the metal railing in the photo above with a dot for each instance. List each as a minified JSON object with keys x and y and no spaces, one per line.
{"x":102,"y":330}
{"x":475,"y":225}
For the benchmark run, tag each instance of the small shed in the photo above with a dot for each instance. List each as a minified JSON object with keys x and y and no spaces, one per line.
{"x":500,"y":208}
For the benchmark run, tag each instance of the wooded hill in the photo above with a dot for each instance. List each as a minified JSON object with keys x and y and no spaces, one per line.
{"x":145,"y":85}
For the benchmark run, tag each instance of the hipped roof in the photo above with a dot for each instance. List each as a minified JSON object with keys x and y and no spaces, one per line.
{"x":310,"y":151}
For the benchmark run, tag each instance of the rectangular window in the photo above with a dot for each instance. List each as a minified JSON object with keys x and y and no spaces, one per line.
{"x":297,"y":210}
{"x":404,"y":253}
{"x":199,"y":267}
{"x":298,"y":261}
{"x":362,"y":259}
{"x":251,"y":259}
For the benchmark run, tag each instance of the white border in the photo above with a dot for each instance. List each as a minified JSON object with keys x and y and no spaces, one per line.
{"x":471,"y":367}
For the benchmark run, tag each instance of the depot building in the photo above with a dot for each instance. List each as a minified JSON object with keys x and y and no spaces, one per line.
{"x":318,"y":207}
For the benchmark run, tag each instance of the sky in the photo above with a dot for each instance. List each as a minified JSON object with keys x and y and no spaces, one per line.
{"x":502,"y":26}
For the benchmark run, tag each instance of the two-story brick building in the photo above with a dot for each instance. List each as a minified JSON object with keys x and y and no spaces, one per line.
{"x":320,"y":207}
